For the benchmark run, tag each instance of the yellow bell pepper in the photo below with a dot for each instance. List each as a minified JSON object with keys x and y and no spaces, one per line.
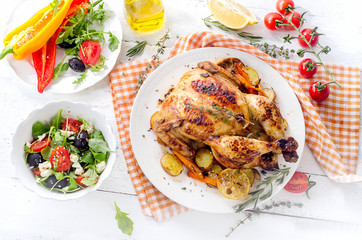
{"x":34,"y":34}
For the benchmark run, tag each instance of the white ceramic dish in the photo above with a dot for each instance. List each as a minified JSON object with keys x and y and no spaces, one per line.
{"x":24,"y":69}
{"x":182,"y":189}
{"x":23,"y":134}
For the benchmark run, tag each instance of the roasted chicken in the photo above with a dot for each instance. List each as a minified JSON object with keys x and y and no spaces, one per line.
{"x":211,"y":106}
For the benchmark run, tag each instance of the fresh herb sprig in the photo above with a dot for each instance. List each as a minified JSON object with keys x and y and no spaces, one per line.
{"x":250,"y":213}
{"x":270,"y":49}
{"x":155,"y":60}
{"x":301,"y":52}
{"x":124,"y":222}
{"x":137,"y":49}
{"x":264,"y":188}
{"x":55,"y":5}
{"x":310,"y":185}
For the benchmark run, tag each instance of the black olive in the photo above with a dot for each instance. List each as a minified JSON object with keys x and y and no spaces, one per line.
{"x":34,"y":159}
{"x":81,"y":143}
{"x":52,"y":182}
{"x":77,"y":65}
{"x":65,"y":44}
{"x":83,"y":135}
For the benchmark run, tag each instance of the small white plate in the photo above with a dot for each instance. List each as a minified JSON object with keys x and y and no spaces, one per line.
{"x":182,"y":189}
{"x":23,"y":134}
{"x":25,"y":71}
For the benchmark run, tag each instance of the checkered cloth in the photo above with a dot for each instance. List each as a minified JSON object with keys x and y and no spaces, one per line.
{"x":332,"y":127}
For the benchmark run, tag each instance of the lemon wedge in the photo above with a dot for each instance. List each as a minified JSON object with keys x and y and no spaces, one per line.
{"x":231,"y":13}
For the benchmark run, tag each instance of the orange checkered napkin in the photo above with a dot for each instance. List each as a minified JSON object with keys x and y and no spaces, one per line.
{"x":332,"y":127}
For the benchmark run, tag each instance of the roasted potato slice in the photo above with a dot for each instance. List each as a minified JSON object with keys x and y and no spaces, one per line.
{"x":253,"y":75}
{"x":214,"y":171}
{"x":204,"y":159}
{"x":270,"y":93}
{"x":256,"y":175}
{"x":156,"y":116}
{"x":171,"y":164}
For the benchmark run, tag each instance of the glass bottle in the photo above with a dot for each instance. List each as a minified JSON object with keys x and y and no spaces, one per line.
{"x":144,"y":15}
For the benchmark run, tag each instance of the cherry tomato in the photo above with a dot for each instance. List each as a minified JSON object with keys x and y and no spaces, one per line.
{"x":79,"y":181}
{"x":37,"y":146}
{"x":283,"y":4}
{"x":298,"y":183}
{"x":307,"y":34}
{"x":36,"y":171}
{"x":89,"y":52}
{"x":73,"y":125}
{"x":270,"y":20}
{"x":60,"y":160}
{"x":289,"y":20}
{"x":316,"y":95}
{"x":303,"y":68}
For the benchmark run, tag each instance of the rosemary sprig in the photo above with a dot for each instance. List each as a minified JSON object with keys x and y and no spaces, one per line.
{"x":277,"y":176}
{"x":272,"y":50}
{"x":209,"y":22}
{"x":310,"y":185}
{"x":250,"y":213}
{"x":136,"y":50}
{"x":155,"y":61}
{"x":310,"y":49}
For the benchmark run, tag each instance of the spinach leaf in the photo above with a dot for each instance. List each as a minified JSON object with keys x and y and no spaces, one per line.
{"x":38,"y":129}
{"x":124,"y":222}
{"x":98,"y":145}
{"x":87,"y":157}
{"x":46,"y":152}
{"x":57,"y":121}
{"x":100,"y":156}
{"x":72,"y":184}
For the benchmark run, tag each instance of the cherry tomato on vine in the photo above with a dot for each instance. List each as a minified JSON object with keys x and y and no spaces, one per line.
{"x":89,"y":52}
{"x":289,"y":20}
{"x":307,"y":33}
{"x":40,"y":145}
{"x":318,"y":95}
{"x":73,"y":125}
{"x":270,"y":20}
{"x":305,"y":68}
{"x":60,"y":160}
{"x":283,"y":4}
{"x":298,"y":183}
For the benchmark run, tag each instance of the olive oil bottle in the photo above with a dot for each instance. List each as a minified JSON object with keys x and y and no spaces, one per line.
{"x":145,"y":15}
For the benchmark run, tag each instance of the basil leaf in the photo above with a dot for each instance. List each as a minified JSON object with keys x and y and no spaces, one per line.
{"x":57,"y":121}
{"x":46,"y":152}
{"x":87,"y":157}
{"x":96,"y":134}
{"x":113,"y":42}
{"x":72,"y":184}
{"x":124,"y":222}
{"x":98,"y":145}
{"x":38,"y":129}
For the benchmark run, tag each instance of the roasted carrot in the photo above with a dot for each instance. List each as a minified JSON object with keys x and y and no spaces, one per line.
{"x":206,"y":179}
{"x":189,"y":164}
{"x":243,"y":77}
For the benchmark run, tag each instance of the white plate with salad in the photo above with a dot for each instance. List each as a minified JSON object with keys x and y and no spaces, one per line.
{"x":65,"y":79}
{"x":63,"y":150}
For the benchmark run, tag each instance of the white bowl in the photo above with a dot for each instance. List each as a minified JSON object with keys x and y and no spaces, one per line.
{"x":23,"y":134}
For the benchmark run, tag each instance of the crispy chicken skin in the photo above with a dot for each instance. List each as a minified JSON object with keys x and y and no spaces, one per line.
{"x":208,"y":107}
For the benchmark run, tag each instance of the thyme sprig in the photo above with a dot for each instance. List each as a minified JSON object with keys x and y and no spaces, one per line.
{"x":137,"y":49}
{"x":155,"y":61}
{"x":250,"y":213}
{"x":264,"y":188}
{"x":270,"y":49}
{"x":301,"y":52}
{"x":221,"y":113}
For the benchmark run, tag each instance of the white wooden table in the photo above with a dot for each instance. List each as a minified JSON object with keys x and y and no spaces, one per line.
{"x":333,"y":212}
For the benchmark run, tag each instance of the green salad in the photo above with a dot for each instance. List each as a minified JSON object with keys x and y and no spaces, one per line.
{"x":67,"y":154}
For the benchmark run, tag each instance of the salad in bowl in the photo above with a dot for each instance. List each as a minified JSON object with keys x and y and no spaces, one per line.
{"x":68,"y":150}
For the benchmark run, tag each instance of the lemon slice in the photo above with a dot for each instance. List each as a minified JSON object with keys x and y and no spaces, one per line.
{"x":233,"y":183}
{"x":231,"y":14}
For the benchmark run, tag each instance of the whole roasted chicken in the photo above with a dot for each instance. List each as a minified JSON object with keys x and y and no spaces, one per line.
{"x":219,"y":106}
